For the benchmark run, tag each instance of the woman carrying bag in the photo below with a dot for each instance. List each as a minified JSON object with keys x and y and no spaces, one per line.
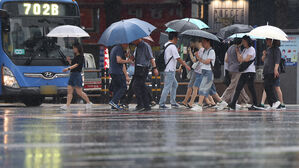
{"x":247,"y":69}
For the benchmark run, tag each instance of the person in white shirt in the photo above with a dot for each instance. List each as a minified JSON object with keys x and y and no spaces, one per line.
{"x":248,"y":75}
{"x":170,"y":82}
{"x":207,"y":86}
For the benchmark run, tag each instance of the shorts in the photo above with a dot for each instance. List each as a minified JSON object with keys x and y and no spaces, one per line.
{"x":213,"y":90}
{"x":277,"y":82}
{"x":192,"y":79}
{"x":198,"y":79}
{"x":75,"y":79}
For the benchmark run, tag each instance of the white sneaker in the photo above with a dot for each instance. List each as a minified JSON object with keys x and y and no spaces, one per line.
{"x":88,"y":105}
{"x":222,"y":105}
{"x":275,"y":105}
{"x":238,"y":107}
{"x":199,"y":108}
{"x":64,"y":107}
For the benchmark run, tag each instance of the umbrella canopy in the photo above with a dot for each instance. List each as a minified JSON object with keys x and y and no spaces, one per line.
{"x":201,"y":33}
{"x":200,"y":24}
{"x":148,"y":38}
{"x":241,"y":35}
{"x":270,"y":32}
{"x":181,"y":25}
{"x":233,"y":29}
{"x":163,"y":38}
{"x":67,"y":31}
{"x":126,"y":31}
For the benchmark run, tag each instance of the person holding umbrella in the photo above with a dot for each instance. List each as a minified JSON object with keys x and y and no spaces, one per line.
{"x":143,"y":60}
{"x":207,"y":86}
{"x":271,"y":59}
{"x":119,"y":35}
{"x":75,"y":81}
{"x":172,"y":56}
{"x":118,"y":73}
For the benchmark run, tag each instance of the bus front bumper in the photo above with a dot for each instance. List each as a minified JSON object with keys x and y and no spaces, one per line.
{"x":35,"y":91}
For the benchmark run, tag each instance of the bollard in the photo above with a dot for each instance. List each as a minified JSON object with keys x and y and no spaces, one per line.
{"x":156,"y":88}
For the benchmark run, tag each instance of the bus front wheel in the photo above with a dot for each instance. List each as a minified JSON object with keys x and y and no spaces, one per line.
{"x":34,"y":101}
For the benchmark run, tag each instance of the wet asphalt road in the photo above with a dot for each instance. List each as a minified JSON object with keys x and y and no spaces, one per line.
{"x":46,"y":137}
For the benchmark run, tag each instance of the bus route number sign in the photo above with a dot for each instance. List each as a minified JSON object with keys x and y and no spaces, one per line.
{"x":41,"y":9}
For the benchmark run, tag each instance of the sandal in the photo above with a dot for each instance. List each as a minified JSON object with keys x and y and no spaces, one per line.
{"x":189,"y":106}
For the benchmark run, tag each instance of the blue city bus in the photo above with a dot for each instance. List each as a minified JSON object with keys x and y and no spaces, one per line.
{"x":31,"y":63}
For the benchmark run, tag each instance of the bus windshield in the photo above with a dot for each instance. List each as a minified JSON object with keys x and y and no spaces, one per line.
{"x":27,"y":42}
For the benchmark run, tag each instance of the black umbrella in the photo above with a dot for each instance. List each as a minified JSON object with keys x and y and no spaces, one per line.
{"x":180,"y":25}
{"x":233,"y":29}
{"x":201,"y":33}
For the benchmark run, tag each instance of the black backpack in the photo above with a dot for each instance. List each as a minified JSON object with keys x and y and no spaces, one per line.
{"x":282,"y":65}
{"x":160,"y":61}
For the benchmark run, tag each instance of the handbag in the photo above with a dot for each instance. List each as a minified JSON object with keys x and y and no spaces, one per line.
{"x":195,"y":65}
{"x":244,"y":65}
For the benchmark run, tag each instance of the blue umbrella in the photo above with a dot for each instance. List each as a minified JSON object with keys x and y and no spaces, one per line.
{"x":126,"y":31}
{"x":200,"y":24}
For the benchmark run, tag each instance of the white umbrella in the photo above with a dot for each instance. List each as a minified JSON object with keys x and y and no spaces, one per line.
{"x":270,"y":32}
{"x":67,"y":31}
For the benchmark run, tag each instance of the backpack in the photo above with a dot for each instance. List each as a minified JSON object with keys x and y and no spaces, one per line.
{"x":282,"y":65}
{"x":160,"y":61}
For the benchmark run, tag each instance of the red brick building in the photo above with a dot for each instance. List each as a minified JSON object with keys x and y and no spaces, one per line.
{"x":156,"y":12}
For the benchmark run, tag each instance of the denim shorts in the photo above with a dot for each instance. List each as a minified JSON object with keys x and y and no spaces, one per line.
{"x":198,"y":79}
{"x":277,"y":82}
{"x":75,"y":79}
{"x":206,"y":86}
{"x":192,"y":79}
{"x":212,"y":90}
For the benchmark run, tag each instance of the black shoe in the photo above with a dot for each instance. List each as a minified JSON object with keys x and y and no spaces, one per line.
{"x":253,"y":107}
{"x":146,"y":109}
{"x":231,"y":107}
{"x":138,"y":108}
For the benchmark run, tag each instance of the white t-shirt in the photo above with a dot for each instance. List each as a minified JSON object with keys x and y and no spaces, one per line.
{"x":208,"y":54}
{"x":198,"y":67}
{"x":171,"y":51}
{"x":245,"y":53}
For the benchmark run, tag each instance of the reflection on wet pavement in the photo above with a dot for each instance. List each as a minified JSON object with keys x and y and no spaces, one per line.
{"x":48,"y":137}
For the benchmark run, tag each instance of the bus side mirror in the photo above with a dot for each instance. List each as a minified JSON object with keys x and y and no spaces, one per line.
{"x":5,"y":23}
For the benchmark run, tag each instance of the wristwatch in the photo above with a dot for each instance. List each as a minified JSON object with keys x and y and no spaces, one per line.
{"x":68,"y":68}
{"x":154,"y":68}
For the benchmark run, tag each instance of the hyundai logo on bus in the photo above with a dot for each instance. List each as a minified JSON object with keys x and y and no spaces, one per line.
{"x":48,"y":74}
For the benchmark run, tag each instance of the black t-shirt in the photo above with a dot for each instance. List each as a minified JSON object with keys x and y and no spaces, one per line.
{"x":78,"y":60}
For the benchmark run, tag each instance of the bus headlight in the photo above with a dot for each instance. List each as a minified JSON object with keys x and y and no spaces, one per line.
{"x":9,"y":79}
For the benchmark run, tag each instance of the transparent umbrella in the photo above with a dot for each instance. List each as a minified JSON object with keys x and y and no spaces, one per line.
{"x":270,"y":32}
{"x":68,"y":31}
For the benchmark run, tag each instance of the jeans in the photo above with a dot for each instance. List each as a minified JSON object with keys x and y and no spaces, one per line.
{"x":140,"y":89}
{"x":269,"y":84}
{"x":245,"y":78}
{"x":170,"y":85}
{"x":119,"y":87}
{"x":206,"y":83}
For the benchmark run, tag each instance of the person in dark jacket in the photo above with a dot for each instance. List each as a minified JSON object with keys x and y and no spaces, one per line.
{"x":271,"y":72}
